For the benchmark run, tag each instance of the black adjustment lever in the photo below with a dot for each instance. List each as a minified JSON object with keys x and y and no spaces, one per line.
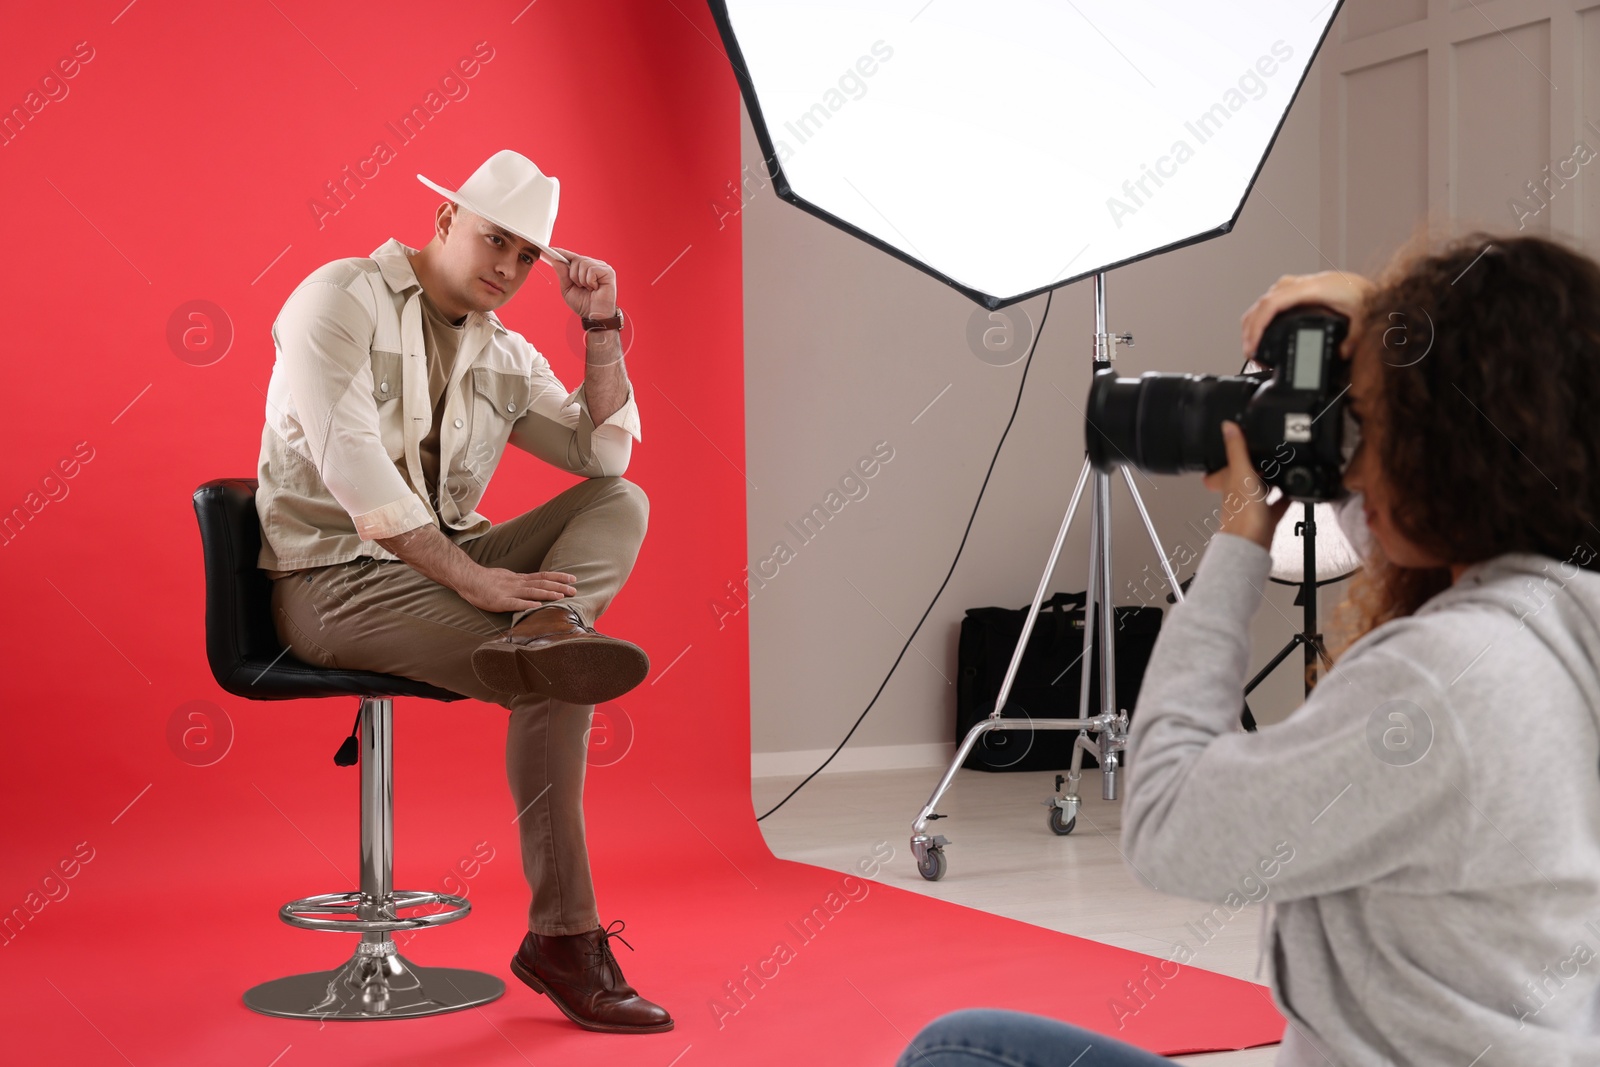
{"x":350,"y":752}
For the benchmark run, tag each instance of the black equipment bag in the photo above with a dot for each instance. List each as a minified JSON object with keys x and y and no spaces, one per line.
{"x":1048,"y":679}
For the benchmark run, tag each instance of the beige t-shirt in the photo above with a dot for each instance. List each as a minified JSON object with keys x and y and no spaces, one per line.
{"x":441,"y":339}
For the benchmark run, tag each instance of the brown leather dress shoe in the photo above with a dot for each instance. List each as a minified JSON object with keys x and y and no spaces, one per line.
{"x":579,"y":973}
{"x":552,"y":652}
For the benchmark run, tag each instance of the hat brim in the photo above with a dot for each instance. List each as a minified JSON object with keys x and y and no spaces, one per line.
{"x":456,"y":197}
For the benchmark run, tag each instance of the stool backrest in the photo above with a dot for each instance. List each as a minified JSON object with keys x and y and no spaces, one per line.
{"x":239,"y":626}
{"x":242,"y":645}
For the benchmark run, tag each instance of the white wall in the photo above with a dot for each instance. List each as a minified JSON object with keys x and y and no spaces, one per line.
{"x":845,"y":346}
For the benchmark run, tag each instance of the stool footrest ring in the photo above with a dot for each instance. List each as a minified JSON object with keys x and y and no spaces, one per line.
{"x":305,"y":911}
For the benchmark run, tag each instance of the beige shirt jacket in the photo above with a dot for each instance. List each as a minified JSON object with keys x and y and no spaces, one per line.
{"x":348,"y":406}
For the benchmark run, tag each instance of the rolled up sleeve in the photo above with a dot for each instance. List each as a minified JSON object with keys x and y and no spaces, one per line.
{"x":559,"y":429}
{"x":324,"y":341}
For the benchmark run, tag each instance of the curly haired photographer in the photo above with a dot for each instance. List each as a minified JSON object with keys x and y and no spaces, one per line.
{"x":1441,"y":785}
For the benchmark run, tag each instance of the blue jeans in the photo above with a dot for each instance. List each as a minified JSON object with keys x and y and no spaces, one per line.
{"x":991,"y":1037}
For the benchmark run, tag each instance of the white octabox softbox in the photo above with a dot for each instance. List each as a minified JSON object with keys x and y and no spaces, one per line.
{"x":1011,"y":146}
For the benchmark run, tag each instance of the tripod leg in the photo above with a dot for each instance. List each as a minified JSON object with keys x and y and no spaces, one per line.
{"x":1064,"y":808}
{"x":1283,"y":653}
{"x":1038,"y":595}
{"x":919,"y":839}
{"x":1155,"y":540}
{"x":1109,"y":737}
{"x":1248,"y":719}
{"x":1079,"y":742}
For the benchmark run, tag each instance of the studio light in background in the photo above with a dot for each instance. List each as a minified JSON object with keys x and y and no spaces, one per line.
{"x":1335,"y":557}
{"x":1010,"y":146}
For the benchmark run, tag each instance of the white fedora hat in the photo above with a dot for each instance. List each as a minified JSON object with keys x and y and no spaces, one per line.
{"x":513,"y":193}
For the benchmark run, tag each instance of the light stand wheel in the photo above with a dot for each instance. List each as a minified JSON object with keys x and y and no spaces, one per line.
{"x":1059,"y":824}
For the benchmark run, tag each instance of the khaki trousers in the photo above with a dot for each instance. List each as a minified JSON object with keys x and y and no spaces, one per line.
{"x":384,"y":616}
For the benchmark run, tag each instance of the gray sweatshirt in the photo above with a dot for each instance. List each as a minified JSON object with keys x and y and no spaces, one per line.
{"x":1424,"y":830}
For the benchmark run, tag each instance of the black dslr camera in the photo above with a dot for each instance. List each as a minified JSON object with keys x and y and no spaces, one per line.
{"x":1294,"y":413}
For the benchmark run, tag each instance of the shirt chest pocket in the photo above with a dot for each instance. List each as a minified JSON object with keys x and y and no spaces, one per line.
{"x":386,"y":391}
{"x":385,"y":376}
{"x":499,"y":399}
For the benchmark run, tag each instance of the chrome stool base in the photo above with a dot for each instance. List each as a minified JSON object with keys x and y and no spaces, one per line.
{"x":376,"y":982}
{"x":374,"y":985}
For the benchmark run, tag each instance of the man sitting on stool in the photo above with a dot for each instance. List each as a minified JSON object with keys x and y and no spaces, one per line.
{"x":394,"y":394}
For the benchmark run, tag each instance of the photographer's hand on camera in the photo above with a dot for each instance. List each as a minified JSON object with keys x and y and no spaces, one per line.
{"x":1336,"y":290}
{"x":1245,"y":510}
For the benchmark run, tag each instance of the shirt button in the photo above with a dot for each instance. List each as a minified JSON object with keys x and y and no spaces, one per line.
{"x":511,"y":407}
{"x":458,"y":424}
{"x":384,"y":387}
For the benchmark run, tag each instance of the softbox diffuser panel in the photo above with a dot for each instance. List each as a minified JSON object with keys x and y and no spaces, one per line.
{"x":1011,"y":146}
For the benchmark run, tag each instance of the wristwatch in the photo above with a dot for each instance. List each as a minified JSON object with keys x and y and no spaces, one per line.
{"x":612,"y":323}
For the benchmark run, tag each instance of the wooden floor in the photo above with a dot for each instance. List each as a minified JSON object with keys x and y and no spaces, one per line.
{"x":1004,"y":859}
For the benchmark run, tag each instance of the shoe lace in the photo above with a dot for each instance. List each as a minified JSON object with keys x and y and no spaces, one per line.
{"x":603,"y":953}
{"x":607,"y":934}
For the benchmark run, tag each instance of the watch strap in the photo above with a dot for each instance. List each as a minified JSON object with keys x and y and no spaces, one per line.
{"x":613,"y":322}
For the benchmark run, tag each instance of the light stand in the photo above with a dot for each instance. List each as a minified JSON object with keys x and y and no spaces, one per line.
{"x":1308,"y":636}
{"x":1111,"y":725}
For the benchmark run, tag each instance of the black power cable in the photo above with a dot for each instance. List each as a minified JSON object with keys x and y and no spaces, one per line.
{"x":1031,"y":348}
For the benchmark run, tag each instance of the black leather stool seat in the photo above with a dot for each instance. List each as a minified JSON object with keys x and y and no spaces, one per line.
{"x":246,"y":657}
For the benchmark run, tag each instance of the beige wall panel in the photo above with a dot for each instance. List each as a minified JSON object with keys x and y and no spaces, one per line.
{"x":1499,"y":125}
{"x":1384,"y":158}
{"x":1362,"y":18}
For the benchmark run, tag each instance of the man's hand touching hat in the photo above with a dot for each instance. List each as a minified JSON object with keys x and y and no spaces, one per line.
{"x":589,"y":286}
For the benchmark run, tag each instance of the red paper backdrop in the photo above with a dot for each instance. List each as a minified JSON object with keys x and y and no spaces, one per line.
{"x":177,"y":153}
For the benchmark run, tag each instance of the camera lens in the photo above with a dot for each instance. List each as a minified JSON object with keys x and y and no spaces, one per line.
{"x":1171,"y":423}
{"x":1164,"y":423}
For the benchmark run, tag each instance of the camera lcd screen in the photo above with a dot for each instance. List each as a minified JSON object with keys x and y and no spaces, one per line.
{"x":1307,"y":359}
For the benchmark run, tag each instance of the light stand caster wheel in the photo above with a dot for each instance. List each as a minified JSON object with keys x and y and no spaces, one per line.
{"x":1060,"y":826}
{"x":932,"y":867}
